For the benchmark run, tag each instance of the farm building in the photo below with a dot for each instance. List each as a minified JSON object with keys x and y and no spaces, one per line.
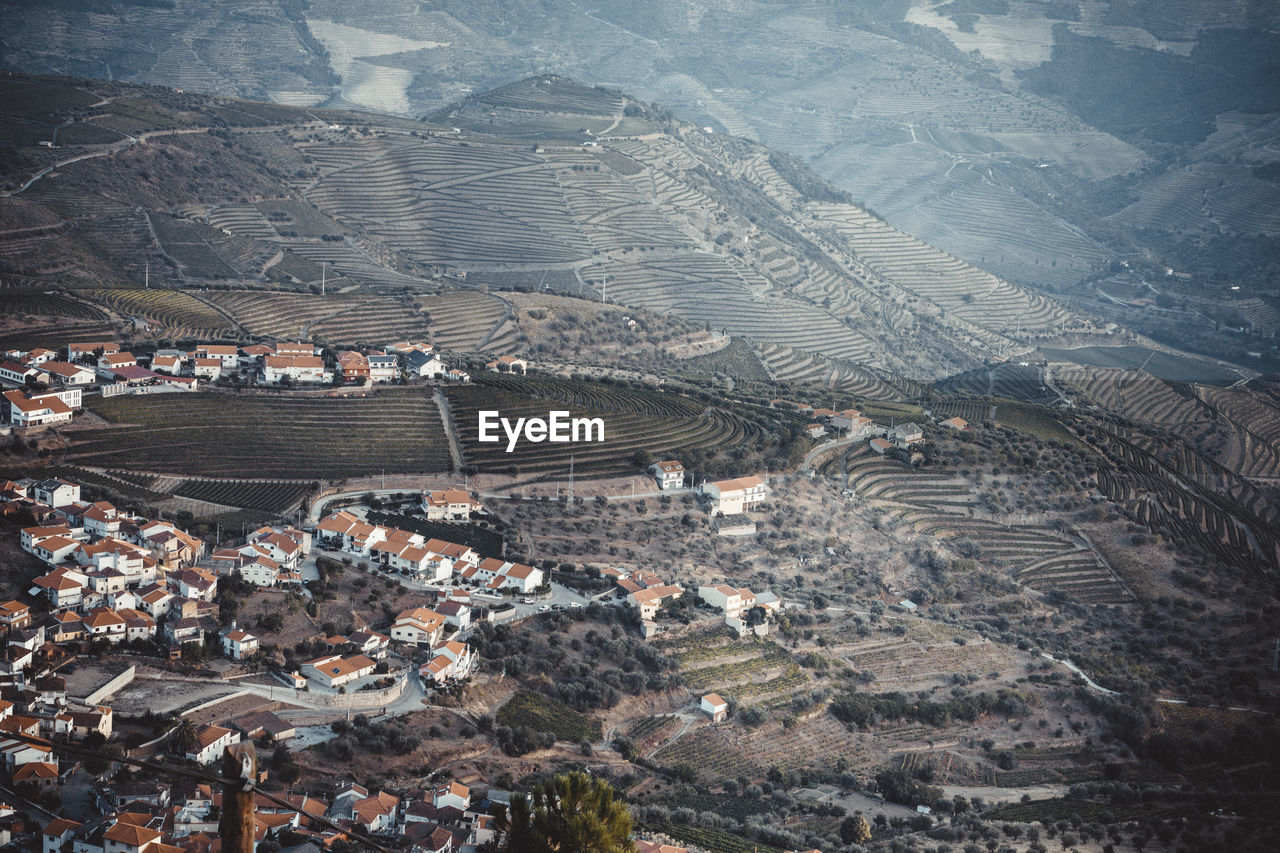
{"x":263,"y":724}
{"x":815,"y":430}
{"x":19,"y":373}
{"x":669,"y":474}
{"x":715,"y":707}
{"x":732,"y":497}
{"x":508,"y":364}
{"x":727,"y":599}
{"x":958,"y":424}
{"x":907,"y":434}
{"x":880,"y":445}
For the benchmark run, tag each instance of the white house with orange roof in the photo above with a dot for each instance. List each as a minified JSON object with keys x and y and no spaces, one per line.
{"x":69,"y":374}
{"x":501,"y":574}
{"x":207,"y":368}
{"x":449,"y":662}
{"x":727,"y":599}
{"x":449,"y":505}
{"x":210,"y":743}
{"x":25,"y":410}
{"x":648,"y":600}
{"x":228,"y":355}
{"x":238,"y":643}
{"x":419,"y":626}
{"x":732,"y":497}
{"x":170,"y":364}
{"x":669,"y":474}
{"x":82,"y":349}
{"x":103,"y":623}
{"x":299,"y":368}
{"x":14,"y":615}
{"x":715,"y":707}
{"x":508,"y":364}
{"x":451,"y":795}
{"x":334,"y":671}
{"x":64,"y":587}
{"x":108,"y":363}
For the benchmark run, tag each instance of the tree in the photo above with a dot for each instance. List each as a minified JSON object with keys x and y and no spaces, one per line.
{"x":855,"y":830}
{"x":184,"y":737}
{"x":572,"y":811}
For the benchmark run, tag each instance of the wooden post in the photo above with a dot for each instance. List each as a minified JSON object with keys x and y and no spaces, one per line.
{"x":240,"y":770}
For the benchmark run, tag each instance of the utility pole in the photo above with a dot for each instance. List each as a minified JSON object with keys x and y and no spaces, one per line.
{"x":146,"y":277}
{"x":323,"y":269}
{"x":240,"y":771}
{"x":570,"y":479}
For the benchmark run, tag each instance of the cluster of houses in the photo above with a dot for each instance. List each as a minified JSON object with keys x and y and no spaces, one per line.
{"x":158,"y":817}
{"x":49,"y":390}
{"x":727,"y":497}
{"x":429,"y":560}
{"x":43,"y":710}
{"x":112,"y":576}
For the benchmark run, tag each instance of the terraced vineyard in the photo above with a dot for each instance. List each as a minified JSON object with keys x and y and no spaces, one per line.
{"x":786,"y":364}
{"x":926,"y":655}
{"x":963,"y":290}
{"x":463,"y":320}
{"x":278,"y":497}
{"x":35,"y":303}
{"x":223,"y":435}
{"x":1192,"y":498}
{"x":634,"y":420}
{"x":941,"y":505}
{"x":709,"y":753}
{"x":179,"y":314}
{"x":752,"y":671}
{"x":446,"y":202}
{"x":727,"y":295}
{"x":336,"y":319}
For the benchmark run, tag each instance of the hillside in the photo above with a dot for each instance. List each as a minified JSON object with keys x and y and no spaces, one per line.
{"x":223,"y":196}
{"x":983,"y":128}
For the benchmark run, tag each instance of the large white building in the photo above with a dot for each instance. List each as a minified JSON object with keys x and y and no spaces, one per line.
{"x":731,"y":497}
{"x":299,"y":368}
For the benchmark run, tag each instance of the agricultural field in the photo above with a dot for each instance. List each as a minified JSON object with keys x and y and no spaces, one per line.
{"x":16,"y":302}
{"x":335,"y":318}
{"x":749,"y":671}
{"x":177,"y":314}
{"x":242,"y":435}
{"x":278,"y":497}
{"x":709,"y":753}
{"x":657,"y":422}
{"x":464,"y":320}
{"x":542,"y":714}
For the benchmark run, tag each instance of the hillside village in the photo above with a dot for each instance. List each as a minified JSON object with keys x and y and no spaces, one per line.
{"x":49,"y":389}
{"x":143,"y":592}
